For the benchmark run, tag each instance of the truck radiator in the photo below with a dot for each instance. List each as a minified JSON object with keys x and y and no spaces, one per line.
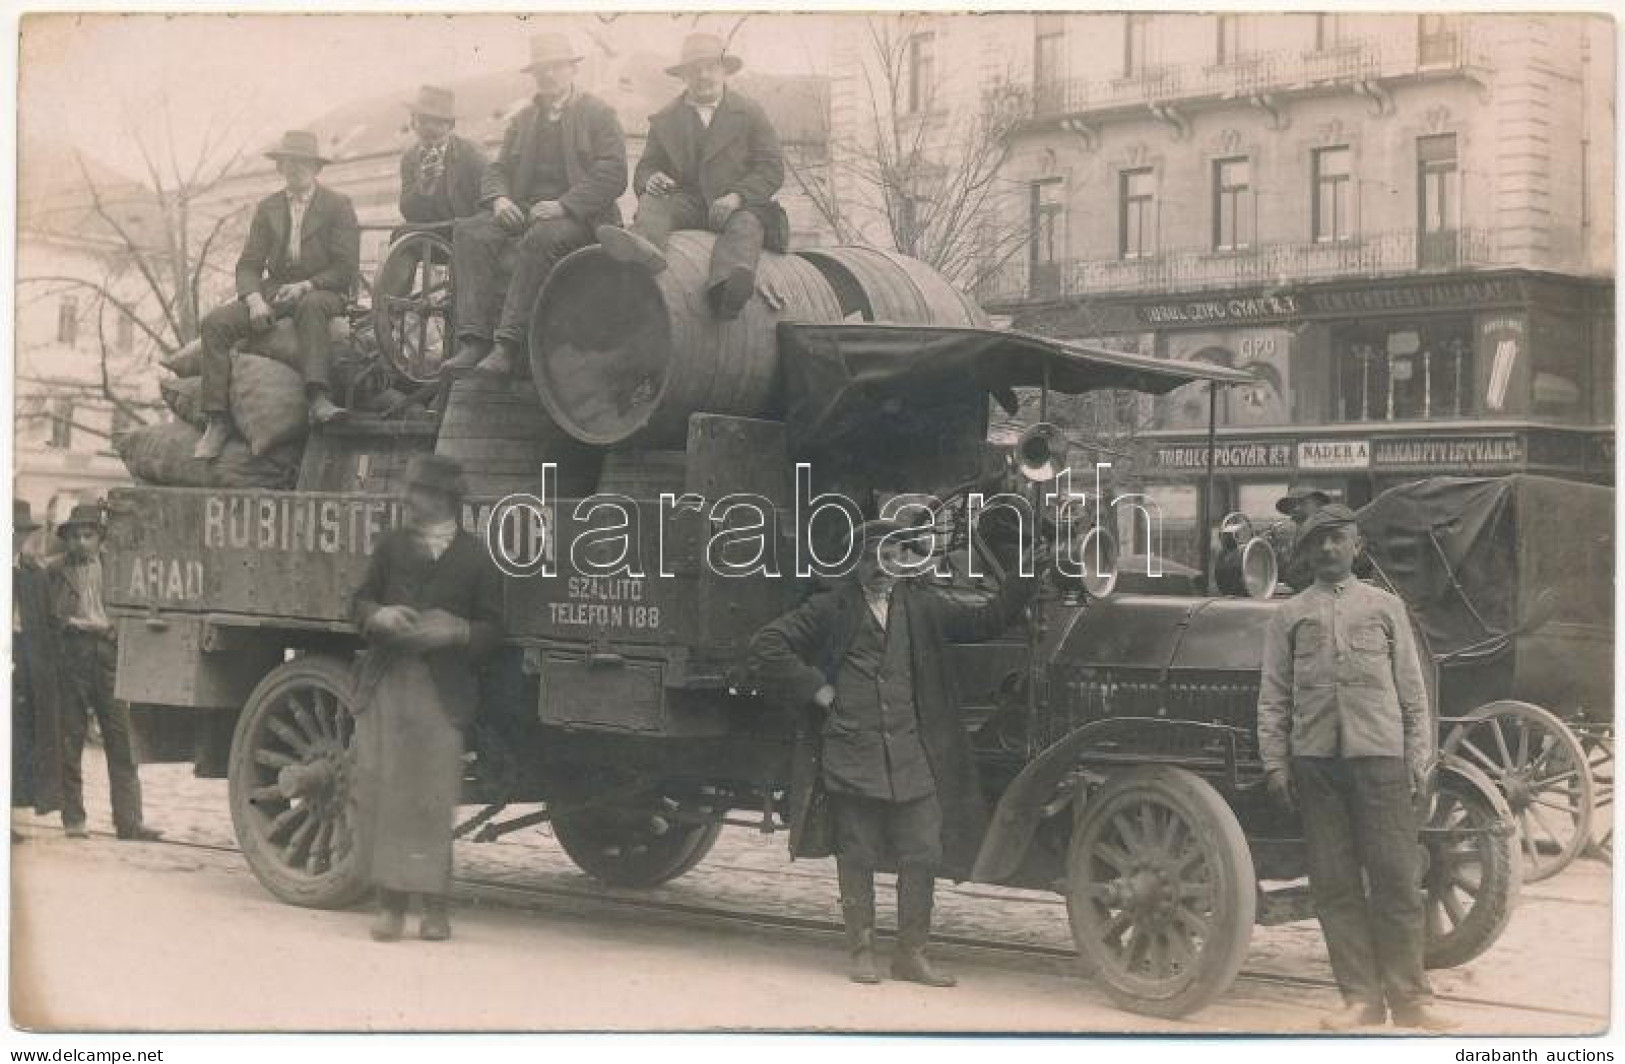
{"x":1086,"y":695}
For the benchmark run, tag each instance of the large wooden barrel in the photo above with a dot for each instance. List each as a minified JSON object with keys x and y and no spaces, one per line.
{"x":499,"y":432}
{"x":876,"y":285}
{"x":622,"y":356}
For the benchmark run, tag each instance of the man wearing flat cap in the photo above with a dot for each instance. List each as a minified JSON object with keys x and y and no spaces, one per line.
{"x":89,"y":644}
{"x":712,"y":162}
{"x":1344,"y":733}
{"x":881,"y":743}
{"x":301,"y":260}
{"x":561,"y":168}
{"x":441,"y":172}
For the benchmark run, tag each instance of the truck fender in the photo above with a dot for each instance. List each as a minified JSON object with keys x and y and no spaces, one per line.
{"x":1033,"y":792}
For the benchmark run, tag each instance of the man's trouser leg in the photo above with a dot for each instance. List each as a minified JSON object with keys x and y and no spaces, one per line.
{"x":78,"y":660}
{"x":738,"y":246}
{"x":94,"y":661}
{"x":914,"y":835}
{"x":1387,"y":837}
{"x":542,"y":246}
{"x":310,"y":317}
{"x":659,"y":215}
{"x":481,"y":252}
{"x":221,"y":328}
{"x":1325,"y":796}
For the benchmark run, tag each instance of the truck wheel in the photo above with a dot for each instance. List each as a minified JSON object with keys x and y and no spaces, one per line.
{"x":1473,"y":868}
{"x":290,"y":782}
{"x":632,"y":846}
{"x":1160,"y":890}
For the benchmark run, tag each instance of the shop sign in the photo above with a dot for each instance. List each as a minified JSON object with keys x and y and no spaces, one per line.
{"x":1269,"y":307}
{"x":1448,"y":452}
{"x":1434,"y":295}
{"x":1193,"y":456}
{"x":1334,"y":454}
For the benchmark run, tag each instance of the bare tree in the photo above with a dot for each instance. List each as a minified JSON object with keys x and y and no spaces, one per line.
{"x":916,"y":175}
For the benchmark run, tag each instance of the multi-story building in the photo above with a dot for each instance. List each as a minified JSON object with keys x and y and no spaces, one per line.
{"x":1402,"y":225}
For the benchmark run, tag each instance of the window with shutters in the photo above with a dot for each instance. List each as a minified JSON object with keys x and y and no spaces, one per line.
{"x":1137,"y":228}
{"x":1437,"y":201}
{"x":1232,"y":204}
{"x":1333,"y":196}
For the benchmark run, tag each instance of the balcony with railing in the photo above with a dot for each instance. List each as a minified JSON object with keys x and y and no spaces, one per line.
{"x":1362,"y":61}
{"x":1391,"y":254}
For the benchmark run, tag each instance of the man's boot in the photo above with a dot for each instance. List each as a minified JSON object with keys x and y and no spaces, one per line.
{"x":1354,"y":1015}
{"x":469,"y":353}
{"x":1424,"y":1018}
{"x":436,"y":923}
{"x":214,"y":440}
{"x":729,"y":296}
{"x":501,"y":362}
{"x":322,"y":409}
{"x":391,"y":918}
{"x":915,"y":889}
{"x":858,"y":913}
{"x":624,"y":245}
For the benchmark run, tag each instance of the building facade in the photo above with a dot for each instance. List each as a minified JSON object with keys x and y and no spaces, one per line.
{"x":1402,"y":225}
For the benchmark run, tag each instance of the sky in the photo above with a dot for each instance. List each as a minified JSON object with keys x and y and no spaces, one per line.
{"x":92,"y":79}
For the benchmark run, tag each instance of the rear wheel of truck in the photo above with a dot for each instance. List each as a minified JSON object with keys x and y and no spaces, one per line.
{"x":1160,"y":891}
{"x":633,"y":846}
{"x":291,"y":782}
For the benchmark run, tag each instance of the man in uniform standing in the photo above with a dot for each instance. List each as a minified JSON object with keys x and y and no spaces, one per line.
{"x":560,"y":170}
{"x":441,"y":172}
{"x":1344,"y":733}
{"x":301,"y":260}
{"x":712,"y":162}
{"x":869,"y":658}
{"x":90,"y":662}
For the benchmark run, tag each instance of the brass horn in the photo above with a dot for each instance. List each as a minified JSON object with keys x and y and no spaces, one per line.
{"x":1254,"y":570}
{"x":1040,"y":452}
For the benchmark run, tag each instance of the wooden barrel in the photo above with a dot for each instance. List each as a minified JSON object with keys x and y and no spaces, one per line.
{"x":500,"y":434}
{"x":876,"y":285}
{"x":622,"y":356}
{"x":640,"y":474}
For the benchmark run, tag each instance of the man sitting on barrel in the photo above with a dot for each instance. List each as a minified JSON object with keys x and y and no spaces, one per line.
{"x":560,"y":170}
{"x":301,"y":259}
{"x":712,"y":162}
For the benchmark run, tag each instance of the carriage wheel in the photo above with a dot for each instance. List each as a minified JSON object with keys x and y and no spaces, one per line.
{"x":632,"y":846}
{"x":290,"y":784}
{"x":412,"y":306}
{"x":1543,"y":771}
{"x":1598,"y":742}
{"x":1473,"y":871}
{"x":1160,"y":891}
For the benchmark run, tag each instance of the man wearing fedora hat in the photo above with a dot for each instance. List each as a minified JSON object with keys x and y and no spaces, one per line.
{"x":36,"y":675}
{"x":561,"y":168}
{"x":301,"y":260}
{"x":90,"y":659}
{"x":441,"y":172}
{"x":712,"y":162}
{"x":881,"y":748}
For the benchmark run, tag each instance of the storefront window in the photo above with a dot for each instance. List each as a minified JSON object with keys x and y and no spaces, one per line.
{"x":1404,"y":371}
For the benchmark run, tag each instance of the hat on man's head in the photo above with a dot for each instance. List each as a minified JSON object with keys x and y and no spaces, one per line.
{"x":434,"y":102}
{"x":439,"y":474}
{"x":84,"y":515}
{"x":298,"y":144}
{"x":547,"y":48}
{"x":699,"y":47}
{"x":22,"y":517}
{"x":1288,"y":504}
{"x":1336,"y":515}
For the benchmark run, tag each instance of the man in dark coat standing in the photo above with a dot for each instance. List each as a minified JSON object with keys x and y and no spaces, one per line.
{"x":712,"y":162}
{"x":561,"y":168}
{"x":891,"y":751}
{"x":301,"y":260}
{"x":36,"y":676}
{"x":441,"y":172}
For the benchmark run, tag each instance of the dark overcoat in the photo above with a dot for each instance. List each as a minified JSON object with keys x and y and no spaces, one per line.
{"x":465,"y":169}
{"x":594,"y":161}
{"x":329,"y":245}
{"x":463,"y":581}
{"x":802,"y":651}
{"x":37,"y":704}
{"x":738,"y":152}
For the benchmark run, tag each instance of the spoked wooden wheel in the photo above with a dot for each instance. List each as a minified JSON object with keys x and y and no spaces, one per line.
{"x":1473,"y":872}
{"x":1543,"y":771}
{"x":633,"y":846}
{"x":291,"y":780}
{"x":1161,"y":891}
{"x":412,"y":305}
{"x":1598,"y":741}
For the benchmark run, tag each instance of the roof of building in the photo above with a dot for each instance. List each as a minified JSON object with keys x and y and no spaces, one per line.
{"x":57,"y":188}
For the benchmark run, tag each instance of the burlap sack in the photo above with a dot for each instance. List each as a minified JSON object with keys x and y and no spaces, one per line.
{"x":267,"y":403}
{"x":183,"y":397}
{"x":162,"y":455}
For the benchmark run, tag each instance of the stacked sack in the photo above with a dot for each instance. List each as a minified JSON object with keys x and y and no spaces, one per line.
{"x":268,"y":414}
